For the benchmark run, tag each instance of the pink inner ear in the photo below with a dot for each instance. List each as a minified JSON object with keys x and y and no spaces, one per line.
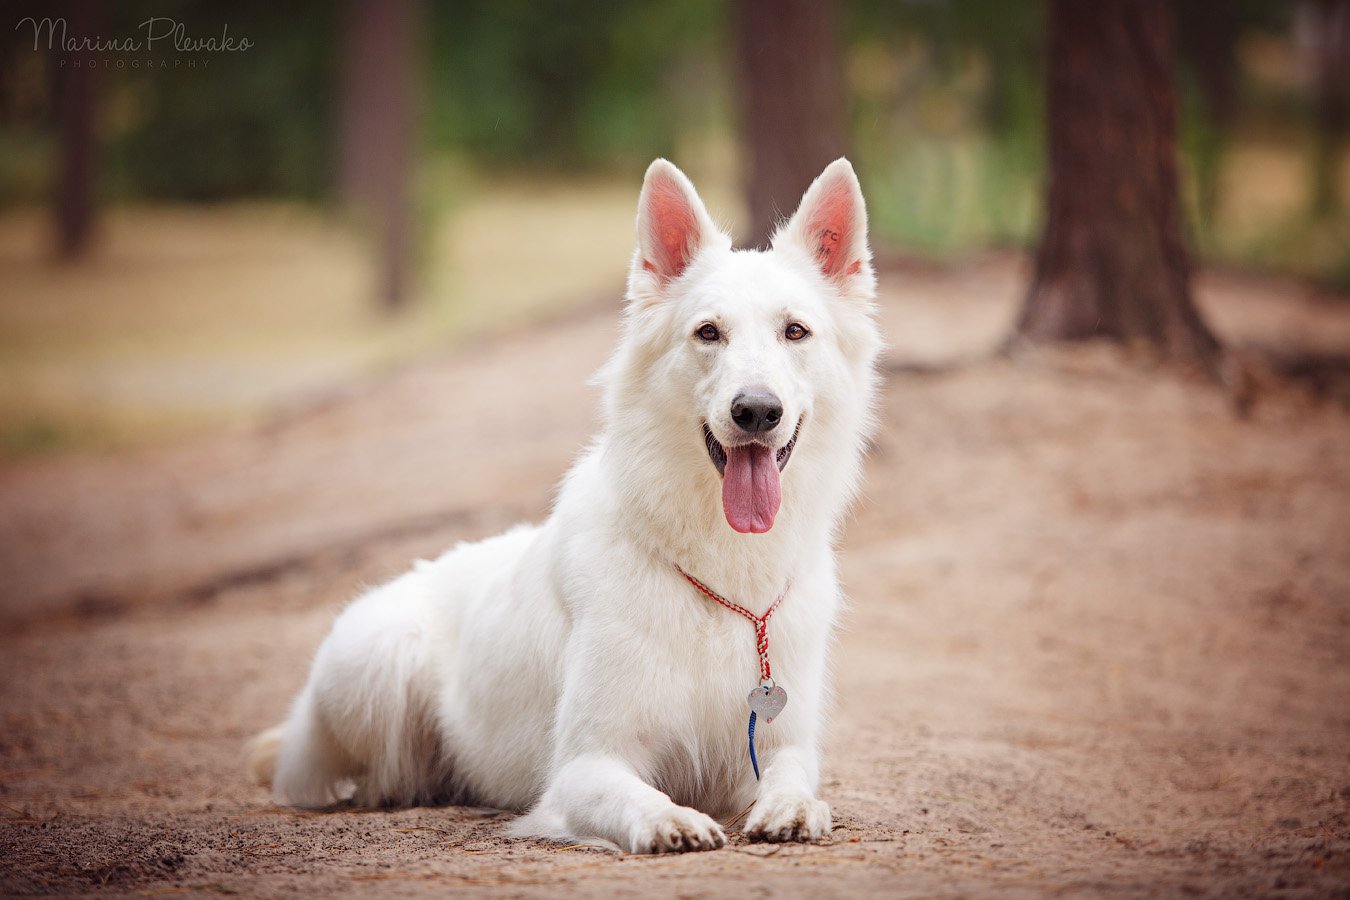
{"x":831,"y":226}
{"x":672,"y":229}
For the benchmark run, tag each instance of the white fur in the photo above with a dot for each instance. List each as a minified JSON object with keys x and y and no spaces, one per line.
{"x":566,"y":668}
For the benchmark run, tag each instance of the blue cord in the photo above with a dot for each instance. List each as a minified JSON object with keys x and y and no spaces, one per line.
{"x":754,"y":761}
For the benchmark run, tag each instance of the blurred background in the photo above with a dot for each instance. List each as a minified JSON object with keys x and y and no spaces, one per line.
{"x":262,"y":207}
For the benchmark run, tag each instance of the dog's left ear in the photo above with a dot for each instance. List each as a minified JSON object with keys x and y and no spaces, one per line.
{"x":830,"y":226}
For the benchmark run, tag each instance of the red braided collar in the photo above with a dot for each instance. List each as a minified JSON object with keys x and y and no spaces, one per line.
{"x":761,"y":623}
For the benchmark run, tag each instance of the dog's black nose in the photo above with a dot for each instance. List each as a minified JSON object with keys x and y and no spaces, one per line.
{"x":756,"y":410}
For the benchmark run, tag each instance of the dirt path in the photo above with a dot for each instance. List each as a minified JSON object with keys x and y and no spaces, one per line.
{"x":1099,"y":641}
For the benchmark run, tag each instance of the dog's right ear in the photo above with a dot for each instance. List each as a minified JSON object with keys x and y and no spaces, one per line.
{"x":672,"y":226}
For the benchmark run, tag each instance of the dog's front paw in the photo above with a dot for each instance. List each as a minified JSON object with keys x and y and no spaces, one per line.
{"x":788,"y":818}
{"x":677,"y":830}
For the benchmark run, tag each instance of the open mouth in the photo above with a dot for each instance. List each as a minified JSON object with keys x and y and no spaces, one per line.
{"x":751,"y":491}
{"x":718,"y":454}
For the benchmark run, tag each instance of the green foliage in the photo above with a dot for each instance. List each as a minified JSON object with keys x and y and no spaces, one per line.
{"x":945,"y":105}
{"x":179,"y":125}
{"x":251,"y":123}
{"x":567,"y":84}
{"x":948,"y":120}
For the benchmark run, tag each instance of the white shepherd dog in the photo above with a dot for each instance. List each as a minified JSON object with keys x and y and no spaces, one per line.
{"x":572,"y":669}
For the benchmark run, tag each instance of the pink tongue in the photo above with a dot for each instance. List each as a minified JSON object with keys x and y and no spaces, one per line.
{"x":750,"y":491}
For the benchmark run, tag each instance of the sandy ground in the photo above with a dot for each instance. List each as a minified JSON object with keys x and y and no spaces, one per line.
{"x":1099,"y":640}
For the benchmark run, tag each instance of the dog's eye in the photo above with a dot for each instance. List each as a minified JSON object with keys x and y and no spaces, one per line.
{"x":795,"y":331}
{"x":708,"y":332}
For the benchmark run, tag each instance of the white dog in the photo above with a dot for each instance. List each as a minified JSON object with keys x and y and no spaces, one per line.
{"x":573,"y":669}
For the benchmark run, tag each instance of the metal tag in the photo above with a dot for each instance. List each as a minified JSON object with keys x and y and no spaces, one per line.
{"x":767,"y":702}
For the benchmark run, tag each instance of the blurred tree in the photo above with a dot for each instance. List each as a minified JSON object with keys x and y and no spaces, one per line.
{"x":1112,"y":261}
{"x":1331,"y":34}
{"x":76,"y":99}
{"x":792,"y":102}
{"x":377,"y":130}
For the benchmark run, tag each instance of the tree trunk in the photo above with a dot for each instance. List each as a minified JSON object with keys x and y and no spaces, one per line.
{"x":792,"y":102}
{"x":377,"y":128}
{"x":1112,"y":262}
{"x":77,"y":106}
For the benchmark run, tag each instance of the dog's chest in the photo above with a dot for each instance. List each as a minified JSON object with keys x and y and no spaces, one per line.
{"x":712,"y":664}
{"x":727,"y":647}
{"x":699,"y":750}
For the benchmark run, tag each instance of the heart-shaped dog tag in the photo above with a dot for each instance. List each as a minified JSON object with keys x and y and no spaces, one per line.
{"x":767,"y":702}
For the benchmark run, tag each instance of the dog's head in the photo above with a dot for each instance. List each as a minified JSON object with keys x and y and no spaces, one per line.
{"x":755,"y":356}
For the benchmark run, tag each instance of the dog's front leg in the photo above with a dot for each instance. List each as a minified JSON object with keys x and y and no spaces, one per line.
{"x":786,"y":808}
{"x":602,"y":796}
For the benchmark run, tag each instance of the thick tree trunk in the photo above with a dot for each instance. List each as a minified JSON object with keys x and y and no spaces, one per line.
{"x":379,"y":74}
{"x":792,"y":102}
{"x":1112,"y":262}
{"x":77,"y":105}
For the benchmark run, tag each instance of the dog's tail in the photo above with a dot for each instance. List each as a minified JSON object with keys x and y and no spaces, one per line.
{"x":260,"y":755}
